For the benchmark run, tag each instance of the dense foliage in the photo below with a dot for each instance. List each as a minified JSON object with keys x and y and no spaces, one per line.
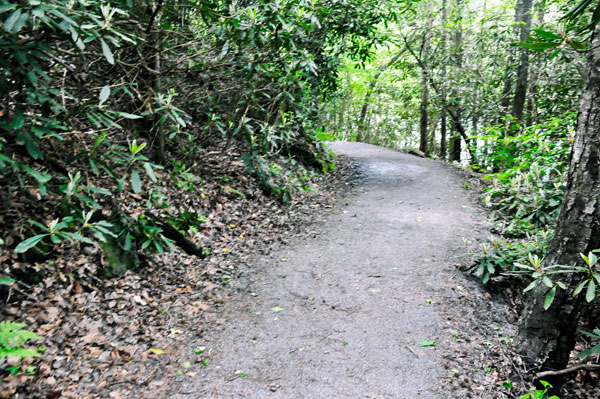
{"x":101,"y":96}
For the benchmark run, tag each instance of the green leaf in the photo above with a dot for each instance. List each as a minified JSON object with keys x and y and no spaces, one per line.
{"x":128,"y":244}
{"x":104,"y":93}
{"x":426,"y":343}
{"x":580,"y":287}
{"x":590,"y":294}
{"x":547,"y":35}
{"x":578,"y":9}
{"x":42,"y":178}
{"x":99,"y":140}
{"x":6,"y":281}
{"x":107,"y":52}
{"x":531,"y":286}
{"x":540,"y":45}
{"x":577,"y":45}
{"x":549,"y":298}
{"x":547,"y":282}
{"x":7,"y":7}
{"x":128,"y":116}
{"x":592,"y":351}
{"x":150,"y":171}
{"x":136,"y":182}
{"x":10,"y":22}
{"x":29,"y":243}
{"x":18,"y":352}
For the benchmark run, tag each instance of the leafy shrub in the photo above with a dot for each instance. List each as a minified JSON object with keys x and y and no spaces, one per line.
{"x":540,"y":393}
{"x":13,"y":339}
{"x":528,"y":174}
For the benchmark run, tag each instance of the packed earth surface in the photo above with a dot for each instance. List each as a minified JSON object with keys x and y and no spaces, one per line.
{"x":369,"y":306}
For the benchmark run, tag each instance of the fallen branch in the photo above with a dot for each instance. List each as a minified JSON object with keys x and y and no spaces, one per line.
{"x":170,"y":232}
{"x":552,"y":373}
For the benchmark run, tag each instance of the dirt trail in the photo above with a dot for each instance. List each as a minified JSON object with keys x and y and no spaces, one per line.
{"x":341,"y":315}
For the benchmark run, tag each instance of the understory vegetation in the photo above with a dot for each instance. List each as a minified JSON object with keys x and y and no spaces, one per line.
{"x":141,"y":138}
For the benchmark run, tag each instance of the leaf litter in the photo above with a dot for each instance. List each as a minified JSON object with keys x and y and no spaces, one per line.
{"x":127,"y":337}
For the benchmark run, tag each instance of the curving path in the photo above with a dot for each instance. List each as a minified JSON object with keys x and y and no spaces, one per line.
{"x":341,"y":315}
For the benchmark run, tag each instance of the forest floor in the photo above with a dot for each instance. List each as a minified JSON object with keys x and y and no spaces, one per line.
{"x":372,"y":306}
{"x":354,"y":290}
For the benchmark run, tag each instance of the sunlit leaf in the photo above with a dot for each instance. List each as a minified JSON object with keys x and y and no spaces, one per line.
{"x":136,"y":182}
{"x":107,"y":52}
{"x":29,"y":243}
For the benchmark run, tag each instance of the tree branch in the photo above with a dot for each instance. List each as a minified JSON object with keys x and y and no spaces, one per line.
{"x":553,"y":373}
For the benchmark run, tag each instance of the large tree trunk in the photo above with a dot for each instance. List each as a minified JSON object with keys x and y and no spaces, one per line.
{"x":443,"y":124}
{"x":455,"y":141}
{"x":523,"y":17}
{"x":546,"y":337}
{"x":424,"y":116}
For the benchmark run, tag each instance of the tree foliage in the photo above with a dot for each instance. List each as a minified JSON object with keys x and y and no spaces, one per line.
{"x":99,"y":95}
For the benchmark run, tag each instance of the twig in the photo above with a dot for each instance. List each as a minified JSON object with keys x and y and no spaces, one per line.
{"x":411,"y":350}
{"x":588,"y":367}
{"x":24,"y":294}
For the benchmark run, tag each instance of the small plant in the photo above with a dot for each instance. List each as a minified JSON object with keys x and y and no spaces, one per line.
{"x":593,"y":350}
{"x":13,"y":339}
{"x":542,"y":275}
{"x":535,"y":393}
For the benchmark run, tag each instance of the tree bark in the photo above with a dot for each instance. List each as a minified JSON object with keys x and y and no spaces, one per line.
{"x":532,"y":93}
{"x":455,"y":141}
{"x":523,"y":18}
{"x":443,"y":134}
{"x":424,"y":116}
{"x":546,"y":337}
{"x":443,"y":125}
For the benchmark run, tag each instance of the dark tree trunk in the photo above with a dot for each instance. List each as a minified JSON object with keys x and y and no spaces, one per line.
{"x":532,"y":92}
{"x":523,"y":18}
{"x":443,"y":134}
{"x":443,"y":121}
{"x":547,"y":337}
{"x":455,"y":141}
{"x":424,"y":116}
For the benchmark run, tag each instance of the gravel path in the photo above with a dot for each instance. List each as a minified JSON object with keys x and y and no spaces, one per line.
{"x":341,"y":315}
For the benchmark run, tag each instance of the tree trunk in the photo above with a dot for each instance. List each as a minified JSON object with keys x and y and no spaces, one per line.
{"x":424,"y":116}
{"x":547,"y":337}
{"x":455,"y":141}
{"x":523,"y":18}
{"x":443,"y":133}
{"x":535,"y":70}
{"x":443,"y":125}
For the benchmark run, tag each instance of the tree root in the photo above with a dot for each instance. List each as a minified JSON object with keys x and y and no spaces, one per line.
{"x":553,"y":373}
